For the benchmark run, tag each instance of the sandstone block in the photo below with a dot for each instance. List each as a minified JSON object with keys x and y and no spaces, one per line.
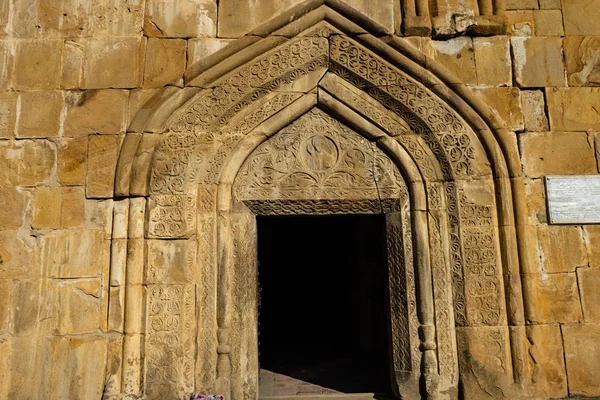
{"x":574,"y":108}
{"x":8,"y":114}
{"x":6,"y":64}
{"x":505,"y":102}
{"x":72,"y":207}
{"x":72,"y":65}
{"x":548,"y":23}
{"x":39,"y":64}
{"x":46,"y":213}
{"x":557,"y":298}
{"x":536,"y":201}
{"x":96,"y":111}
{"x":72,"y":306}
{"x":259,"y":12}
{"x":12,"y":206}
{"x":592,"y":234}
{"x":26,"y":294}
{"x":116,"y":308}
{"x":198,"y":49}
{"x":171,"y":261}
{"x":492,"y":61}
{"x":40,"y":114}
{"x":546,"y":361}
{"x":520,"y":23}
{"x":582,"y":56}
{"x":113,"y":62}
{"x":550,"y":4}
{"x":581,"y":17}
{"x":562,"y":248}
{"x":538,"y":61}
{"x":80,"y":253}
{"x":72,"y":161}
{"x":117,"y":18}
{"x":18,"y":256}
{"x":556,"y":153}
{"x":27,"y":162}
{"x":165,"y":62}
{"x":534,"y":110}
{"x":521,"y":4}
{"x":589,"y":284}
{"x":98,"y":215}
{"x":457,"y":55}
{"x":582,"y":355}
{"x":103,"y":152}
{"x":5,"y":307}
{"x":182,"y":18}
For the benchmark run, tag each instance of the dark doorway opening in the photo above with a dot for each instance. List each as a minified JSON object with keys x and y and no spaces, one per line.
{"x":323,"y":322}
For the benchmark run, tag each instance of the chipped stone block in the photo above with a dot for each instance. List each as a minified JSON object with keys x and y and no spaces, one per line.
{"x":75,"y":253}
{"x":557,"y":153}
{"x":39,"y":64}
{"x":8,"y":114}
{"x":582,"y":355}
{"x":199,"y":49}
{"x":557,"y":298}
{"x":72,"y":161}
{"x":72,"y":65}
{"x":259,"y":12}
{"x":492,"y":61}
{"x":113,"y":62}
{"x":534,"y":110}
{"x":505,"y":102}
{"x":27,"y":162}
{"x":581,"y":17}
{"x":182,"y":18}
{"x":171,"y":261}
{"x":18,"y":256}
{"x":12,"y":206}
{"x":554,"y":240}
{"x":457,"y":55}
{"x":520,"y":23}
{"x":536,"y":201}
{"x":96,"y":112}
{"x":117,"y":18}
{"x":548,"y":23}
{"x":582,"y":56}
{"x":40,"y":114}
{"x":546,"y":361}
{"x":26,"y":298}
{"x":574,"y":108}
{"x":103,"y":152}
{"x":589,"y":285}
{"x":165,"y":62}
{"x":538,"y":61}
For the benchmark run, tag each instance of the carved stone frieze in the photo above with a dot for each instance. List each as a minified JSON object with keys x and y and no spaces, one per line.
{"x":171,"y":216}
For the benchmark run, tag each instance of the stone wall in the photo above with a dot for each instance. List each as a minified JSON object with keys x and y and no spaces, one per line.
{"x":74,"y":73}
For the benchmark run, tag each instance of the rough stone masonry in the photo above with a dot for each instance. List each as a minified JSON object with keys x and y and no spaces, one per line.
{"x":140,"y":139}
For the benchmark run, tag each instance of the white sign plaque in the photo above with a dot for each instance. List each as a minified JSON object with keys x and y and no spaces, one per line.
{"x":573,"y":199}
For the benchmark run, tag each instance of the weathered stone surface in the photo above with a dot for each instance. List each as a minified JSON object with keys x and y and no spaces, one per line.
{"x":103,"y":152}
{"x":589,"y":285}
{"x":582,"y":56}
{"x":546,"y":361}
{"x":26,"y":295}
{"x":457,"y":55}
{"x":521,"y":4}
{"x":534,"y":111}
{"x":581,"y":17}
{"x":548,"y":23}
{"x":165,"y":62}
{"x":8,"y":114}
{"x":75,"y":253}
{"x":505,"y":102}
{"x":41,"y":114}
{"x":553,"y":241}
{"x":582,"y":355}
{"x":574,"y":108}
{"x":72,"y":207}
{"x":536,"y":201}
{"x":493,"y":61}
{"x":12,"y":206}
{"x":181,"y":18}
{"x":538,"y":61}
{"x":96,"y":111}
{"x":47,"y":208}
{"x":259,"y":12}
{"x":39,"y":64}
{"x":198,"y":49}
{"x":72,"y":161}
{"x":18,"y":256}
{"x":557,"y":298}
{"x":556,"y":153}
{"x":550,"y":4}
{"x":520,"y":23}
{"x":592,"y":235}
{"x":6,"y":64}
{"x":27,"y":162}
{"x":171,"y":261}
{"x":112,"y":62}
{"x":5,"y":308}
{"x":117,"y":18}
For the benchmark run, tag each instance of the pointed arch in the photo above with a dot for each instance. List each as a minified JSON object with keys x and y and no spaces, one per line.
{"x":184,"y":151}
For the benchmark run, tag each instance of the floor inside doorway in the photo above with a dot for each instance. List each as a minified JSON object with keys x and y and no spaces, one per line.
{"x":323,"y":322}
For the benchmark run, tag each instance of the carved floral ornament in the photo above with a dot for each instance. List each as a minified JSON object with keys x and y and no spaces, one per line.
{"x":315,"y":119}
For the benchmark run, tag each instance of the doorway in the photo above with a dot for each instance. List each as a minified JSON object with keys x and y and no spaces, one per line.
{"x":323,"y":315}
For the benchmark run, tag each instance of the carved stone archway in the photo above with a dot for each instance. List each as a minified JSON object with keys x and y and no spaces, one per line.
{"x":208,"y":157}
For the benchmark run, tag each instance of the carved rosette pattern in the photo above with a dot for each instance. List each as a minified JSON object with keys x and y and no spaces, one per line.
{"x":171,"y":216}
{"x":170,"y":334}
{"x":316,"y":157}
